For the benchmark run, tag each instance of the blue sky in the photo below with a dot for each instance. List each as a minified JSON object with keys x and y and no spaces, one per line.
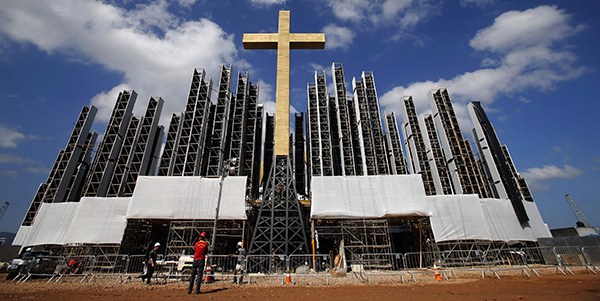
{"x":533,"y":64}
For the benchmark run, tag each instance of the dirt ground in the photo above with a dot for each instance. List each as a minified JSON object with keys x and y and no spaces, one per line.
{"x":468,"y":286}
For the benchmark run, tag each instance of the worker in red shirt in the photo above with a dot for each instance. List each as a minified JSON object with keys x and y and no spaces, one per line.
{"x":200,"y":251}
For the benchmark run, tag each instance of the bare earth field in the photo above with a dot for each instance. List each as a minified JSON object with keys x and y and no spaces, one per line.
{"x":467,"y":286}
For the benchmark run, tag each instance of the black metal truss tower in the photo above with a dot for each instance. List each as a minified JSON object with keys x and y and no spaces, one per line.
{"x":415,"y":146}
{"x":220,"y":133}
{"x":141,"y":156}
{"x":253,"y":135}
{"x":334,"y":130}
{"x":361,"y":106}
{"x":436,"y":155}
{"x":343,"y":121}
{"x":269,"y":144}
{"x":375,"y":123}
{"x":396,"y":156}
{"x":170,"y":146}
{"x":123,"y":161}
{"x":62,"y":178}
{"x":323,"y":117}
{"x":279,"y":225}
{"x":451,"y":138}
{"x":82,"y":168}
{"x":104,"y":162}
{"x":313,"y":133}
{"x":299,"y":154}
{"x":239,"y":122}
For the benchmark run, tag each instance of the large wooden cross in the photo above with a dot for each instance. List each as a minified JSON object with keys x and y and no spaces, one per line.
{"x":283,"y":41}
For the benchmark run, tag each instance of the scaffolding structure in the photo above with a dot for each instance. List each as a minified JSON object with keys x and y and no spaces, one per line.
{"x":219,"y":139}
{"x":336,"y":152}
{"x":122,"y":165}
{"x":166,"y":161}
{"x":238,"y":121}
{"x":141,"y":157}
{"x":415,"y":145}
{"x":435,"y":155}
{"x":323,"y":116}
{"x":313,"y":132}
{"x":375,"y":124}
{"x":396,"y":155}
{"x":345,"y":140}
{"x":502,"y":178}
{"x":252,"y":143}
{"x":102,"y":169}
{"x":300,"y":174}
{"x":83,"y":165}
{"x":183,"y":234}
{"x":461,"y":171}
{"x":365,"y":138}
{"x":367,"y":237}
{"x":62,"y":178}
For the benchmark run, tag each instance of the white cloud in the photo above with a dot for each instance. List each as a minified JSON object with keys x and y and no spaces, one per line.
{"x":9,"y":173}
{"x":187,"y":3}
{"x":403,"y":14}
{"x":338,"y":37}
{"x":521,"y":63}
{"x":15,"y":159}
{"x":267,"y":2}
{"x":540,"y":26}
{"x":9,"y":137}
{"x":535,"y":176}
{"x":154,"y":50}
{"x":478,"y":3}
{"x":40,"y":170}
{"x":266,"y":97}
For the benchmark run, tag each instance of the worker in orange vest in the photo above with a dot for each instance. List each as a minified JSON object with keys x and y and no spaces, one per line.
{"x":200,"y":251}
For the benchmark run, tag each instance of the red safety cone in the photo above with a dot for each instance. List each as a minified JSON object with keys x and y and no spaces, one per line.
{"x":288,"y":278}
{"x":208,"y":274}
{"x":438,"y":277}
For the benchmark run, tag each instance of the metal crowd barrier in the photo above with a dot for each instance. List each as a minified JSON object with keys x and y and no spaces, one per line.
{"x":506,"y":260}
{"x":592,"y":255}
{"x":572,"y":257}
{"x":364,"y":266}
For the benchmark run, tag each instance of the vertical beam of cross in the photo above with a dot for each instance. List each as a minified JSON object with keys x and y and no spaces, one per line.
{"x":283,"y":41}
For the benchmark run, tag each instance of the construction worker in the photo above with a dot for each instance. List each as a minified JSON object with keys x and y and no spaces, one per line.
{"x":200,"y":251}
{"x":241,"y":262}
{"x":151,"y":263}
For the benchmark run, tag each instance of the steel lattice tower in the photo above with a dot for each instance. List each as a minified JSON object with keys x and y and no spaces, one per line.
{"x":279,"y":225}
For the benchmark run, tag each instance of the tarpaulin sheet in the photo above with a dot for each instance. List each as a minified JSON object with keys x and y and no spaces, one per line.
{"x":188,"y":198}
{"x":99,"y":220}
{"x":457,"y":217}
{"x":502,"y":221}
{"x":50,"y":226}
{"x":367,"y":197}
{"x":536,"y":224}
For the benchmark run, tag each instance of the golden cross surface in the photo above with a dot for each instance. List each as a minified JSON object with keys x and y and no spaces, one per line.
{"x":283,"y":41}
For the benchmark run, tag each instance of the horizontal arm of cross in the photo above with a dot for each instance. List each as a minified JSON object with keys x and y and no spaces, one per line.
{"x":297,"y":40}
{"x":260,"y":41}
{"x":307,"y":41}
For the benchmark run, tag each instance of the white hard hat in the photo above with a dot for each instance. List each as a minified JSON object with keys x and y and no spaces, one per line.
{"x":28,"y":250}
{"x":240,"y":244}
{"x":157,"y":244}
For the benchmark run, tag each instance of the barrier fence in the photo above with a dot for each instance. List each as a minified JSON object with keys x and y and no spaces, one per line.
{"x":296,"y":267}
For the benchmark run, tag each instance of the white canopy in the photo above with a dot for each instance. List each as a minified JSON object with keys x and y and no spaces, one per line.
{"x":188,"y":198}
{"x":453,"y":217}
{"x":103,"y":220}
{"x":50,"y":227}
{"x":457,"y":217}
{"x":98,"y":220}
{"x":367,"y":197}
